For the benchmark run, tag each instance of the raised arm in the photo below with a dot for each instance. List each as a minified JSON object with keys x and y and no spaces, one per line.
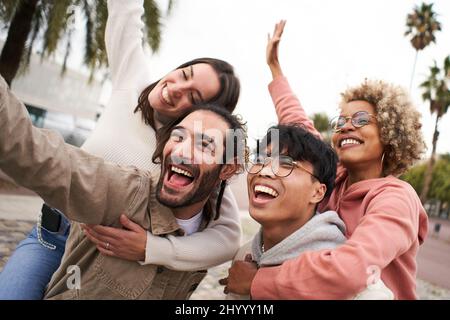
{"x":216,"y":244}
{"x":387,"y":231}
{"x":84,"y":187}
{"x":128,"y":65}
{"x":287,"y":106}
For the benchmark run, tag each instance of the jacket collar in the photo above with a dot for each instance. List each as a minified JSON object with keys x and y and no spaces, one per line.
{"x":162,"y":220}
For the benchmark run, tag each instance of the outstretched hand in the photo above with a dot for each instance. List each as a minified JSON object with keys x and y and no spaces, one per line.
{"x":272,"y":49}
{"x":128,"y":243}
{"x":240,"y":276}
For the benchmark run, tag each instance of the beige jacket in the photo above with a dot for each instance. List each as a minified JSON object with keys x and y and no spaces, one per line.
{"x":89,"y":190}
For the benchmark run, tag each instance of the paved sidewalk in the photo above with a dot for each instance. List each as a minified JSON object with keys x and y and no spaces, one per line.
{"x":434,"y":255}
{"x":19,"y":207}
{"x":18,"y":215}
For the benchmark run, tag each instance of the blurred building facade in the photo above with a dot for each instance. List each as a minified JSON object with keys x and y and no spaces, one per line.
{"x":69,"y":104}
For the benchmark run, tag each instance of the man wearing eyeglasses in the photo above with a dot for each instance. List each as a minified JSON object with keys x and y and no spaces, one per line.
{"x":286,"y":181}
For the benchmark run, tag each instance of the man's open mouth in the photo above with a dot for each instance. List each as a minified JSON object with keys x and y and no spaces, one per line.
{"x":179,"y":176}
{"x":263,"y":194}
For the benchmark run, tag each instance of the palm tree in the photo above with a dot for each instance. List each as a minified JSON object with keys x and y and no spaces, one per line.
{"x":436,"y":90}
{"x":421,"y":26}
{"x":52,"y":22}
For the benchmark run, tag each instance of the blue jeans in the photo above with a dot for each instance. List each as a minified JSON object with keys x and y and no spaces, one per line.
{"x":30,"y":268}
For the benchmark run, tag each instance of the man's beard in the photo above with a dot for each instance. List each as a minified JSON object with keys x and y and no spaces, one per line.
{"x":204,"y":187}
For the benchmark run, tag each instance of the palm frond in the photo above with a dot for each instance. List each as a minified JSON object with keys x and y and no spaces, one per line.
{"x":170,"y":6}
{"x":422,"y":25}
{"x":56,"y":25}
{"x":88,"y":51}
{"x":67,"y":52}
{"x":99,"y":32}
{"x":37,"y":22}
{"x":447,"y":66}
{"x":152,"y":21}
{"x":436,"y":90}
{"x":50,"y":24}
{"x":95,"y":52}
{"x":426,"y":96}
{"x":426,"y":84}
{"x":7,"y":9}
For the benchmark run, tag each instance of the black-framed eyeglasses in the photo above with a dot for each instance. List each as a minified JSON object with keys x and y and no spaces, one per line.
{"x":359,"y":119}
{"x":281,"y":166}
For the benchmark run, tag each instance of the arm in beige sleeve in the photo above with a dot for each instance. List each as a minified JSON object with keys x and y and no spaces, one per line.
{"x":216,"y":244}
{"x":84,"y":187}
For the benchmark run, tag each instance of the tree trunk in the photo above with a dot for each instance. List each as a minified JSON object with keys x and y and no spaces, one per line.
{"x":429,"y":171}
{"x":413,"y":70}
{"x":18,"y":32}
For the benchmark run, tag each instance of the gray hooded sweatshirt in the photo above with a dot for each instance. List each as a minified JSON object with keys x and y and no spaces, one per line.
{"x":322,"y":231}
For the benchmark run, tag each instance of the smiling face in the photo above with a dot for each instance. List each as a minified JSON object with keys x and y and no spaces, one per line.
{"x":358,"y":148}
{"x":191,"y":166}
{"x":182,"y":88}
{"x":287,"y":202}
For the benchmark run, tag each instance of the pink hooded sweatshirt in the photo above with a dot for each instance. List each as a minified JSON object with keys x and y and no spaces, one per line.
{"x":385,"y":223}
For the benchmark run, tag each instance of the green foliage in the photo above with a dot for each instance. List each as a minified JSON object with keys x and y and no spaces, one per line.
{"x":321,"y":121}
{"x":152,"y":19}
{"x":52,"y":23}
{"x":57,"y":20}
{"x":7,"y":9}
{"x":440,"y":182}
{"x":421,"y":26}
{"x":415,"y":177}
{"x":322,"y":124}
{"x":435,"y":88}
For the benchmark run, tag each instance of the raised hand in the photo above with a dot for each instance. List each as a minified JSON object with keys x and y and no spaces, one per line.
{"x":272,"y":49}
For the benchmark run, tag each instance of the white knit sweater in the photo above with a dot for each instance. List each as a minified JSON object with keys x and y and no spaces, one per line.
{"x":122,"y":137}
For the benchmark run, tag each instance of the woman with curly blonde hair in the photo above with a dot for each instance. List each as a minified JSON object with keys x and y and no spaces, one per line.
{"x":376,"y":136}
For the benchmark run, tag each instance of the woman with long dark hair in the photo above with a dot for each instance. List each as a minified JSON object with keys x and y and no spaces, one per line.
{"x":125,"y":134}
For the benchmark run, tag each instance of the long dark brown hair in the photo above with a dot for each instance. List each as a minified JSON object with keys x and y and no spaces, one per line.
{"x":227,"y":96}
{"x":238,"y":155}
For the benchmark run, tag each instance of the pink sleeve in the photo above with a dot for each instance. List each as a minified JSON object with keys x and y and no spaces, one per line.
{"x":388,"y":230}
{"x":288,"y":107}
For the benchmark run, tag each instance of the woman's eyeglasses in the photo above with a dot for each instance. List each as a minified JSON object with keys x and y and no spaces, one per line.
{"x":281,"y":166}
{"x":359,"y":119}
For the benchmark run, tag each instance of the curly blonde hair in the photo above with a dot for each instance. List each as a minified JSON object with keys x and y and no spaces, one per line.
{"x":398,"y":121}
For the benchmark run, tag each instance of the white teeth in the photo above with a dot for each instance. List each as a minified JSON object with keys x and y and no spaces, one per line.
{"x":349,"y":141}
{"x":270,"y":191}
{"x":181,"y":171}
{"x":165,"y":95}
